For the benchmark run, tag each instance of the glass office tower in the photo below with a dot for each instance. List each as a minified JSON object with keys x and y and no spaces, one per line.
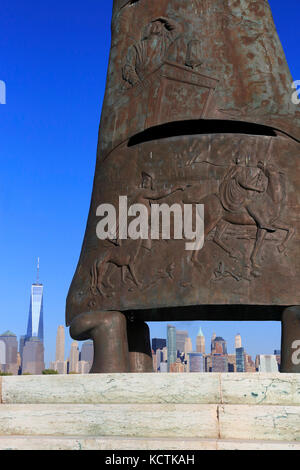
{"x":171,"y":345}
{"x":35,"y":328}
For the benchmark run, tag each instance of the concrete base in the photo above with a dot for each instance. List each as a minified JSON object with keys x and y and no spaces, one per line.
{"x":151,"y":411}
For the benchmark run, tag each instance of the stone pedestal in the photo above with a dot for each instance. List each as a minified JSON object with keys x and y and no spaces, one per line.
{"x":151,"y":411}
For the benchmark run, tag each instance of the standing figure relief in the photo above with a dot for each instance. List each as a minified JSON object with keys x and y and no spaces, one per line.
{"x":148,"y":54}
{"x":124,"y":253}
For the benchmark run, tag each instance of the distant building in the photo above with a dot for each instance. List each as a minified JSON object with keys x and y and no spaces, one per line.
{"x":219,"y":363}
{"x":60,"y":344}
{"x":208,"y":362}
{"x":196,"y":362}
{"x":154,"y":361}
{"x":74,"y":357}
{"x":165,"y":354}
{"x":163,"y":367}
{"x":171,"y":345}
{"x":219,"y":346}
{"x":83,"y":367}
{"x":31,"y":344}
{"x":249,"y":364}
{"x":87,"y":354}
{"x":33,"y":357}
{"x":35,"y":327}
{"x":267,"y":363}
{"x":21,"y":346}
{"x":158,"y":359}
{"x":238,"y":341}
{"x":188,"y":346}
{"x":177,"y":366}
{"x":277,"y":353}
{"x":158,"y":343}
{"x":240,"y":359}
{"x":212,"y":342}
{"x":180,"y":340}
{"x":200,"y":342}
{"x":60,"y":366}
{"x":9,"y":353}
{"x":231,"y":362}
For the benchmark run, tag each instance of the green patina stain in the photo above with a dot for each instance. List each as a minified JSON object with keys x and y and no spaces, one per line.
{"x":254,"y":394}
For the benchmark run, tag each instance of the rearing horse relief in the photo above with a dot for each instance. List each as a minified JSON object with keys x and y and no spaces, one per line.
{"x":248,"y":196}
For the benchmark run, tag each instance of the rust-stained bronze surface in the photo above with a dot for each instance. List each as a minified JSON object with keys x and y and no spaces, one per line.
{"x":197,"y":109}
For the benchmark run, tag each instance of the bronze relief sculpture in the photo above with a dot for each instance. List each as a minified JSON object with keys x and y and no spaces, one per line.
{"x":197,"y":110}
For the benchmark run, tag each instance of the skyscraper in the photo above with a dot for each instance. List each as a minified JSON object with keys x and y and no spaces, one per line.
{"x":33,"y":357}
{"x":158,"y":343}
{"x":196,"y":362}
{"x":74,"y":357}
{"x":86,"y":357}
{"x":238,"y":341}
{"x":35,"y":328}
{"x":180,"y":339}
{"x":60,"y":344}
{"x":212,"y":341}
{"x":171,"y":345}
{"x":219,"y":363}
{"x":8,"y":353}
{"x":219,"y":346}
{"x":60,"y":365}
{"x":200,"y":342}
{"x":188,"y":347}
{"x":240,"y":360}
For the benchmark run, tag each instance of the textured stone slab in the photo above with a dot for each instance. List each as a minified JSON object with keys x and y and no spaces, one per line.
{"x":254,"y":388}
{"x":256,"y":445}
{"x":102,"y":443}
{"x":168,"y":420}
{"x":113,"y":388}
{"x":257,"y":389}
{"x":251,"y":422}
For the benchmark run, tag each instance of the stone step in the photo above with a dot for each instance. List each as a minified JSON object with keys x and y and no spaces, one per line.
{"x":206,"y":388}
{"x":245,"y":422}
{"x":136,"y":444}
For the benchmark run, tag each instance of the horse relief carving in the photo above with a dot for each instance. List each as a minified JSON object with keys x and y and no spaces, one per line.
{"x":251,"y":196}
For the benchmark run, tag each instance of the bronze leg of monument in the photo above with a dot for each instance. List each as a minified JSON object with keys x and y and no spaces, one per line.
{"x":108,"y":330}
{"x":140,"y":355}
{"x":290,"y":342}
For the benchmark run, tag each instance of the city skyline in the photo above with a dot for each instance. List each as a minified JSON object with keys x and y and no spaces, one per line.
{"x":73,"y":351}
{"x":49,"y":158}
{"x":219,"y":358}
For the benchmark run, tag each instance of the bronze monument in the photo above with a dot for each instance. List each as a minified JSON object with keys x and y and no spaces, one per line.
{"x":197,"y":110}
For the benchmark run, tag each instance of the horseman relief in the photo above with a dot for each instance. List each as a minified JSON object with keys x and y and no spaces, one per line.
{"x":252,"y":193}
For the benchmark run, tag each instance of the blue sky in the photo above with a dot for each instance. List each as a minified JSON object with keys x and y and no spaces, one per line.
{"x":53,"y":59}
